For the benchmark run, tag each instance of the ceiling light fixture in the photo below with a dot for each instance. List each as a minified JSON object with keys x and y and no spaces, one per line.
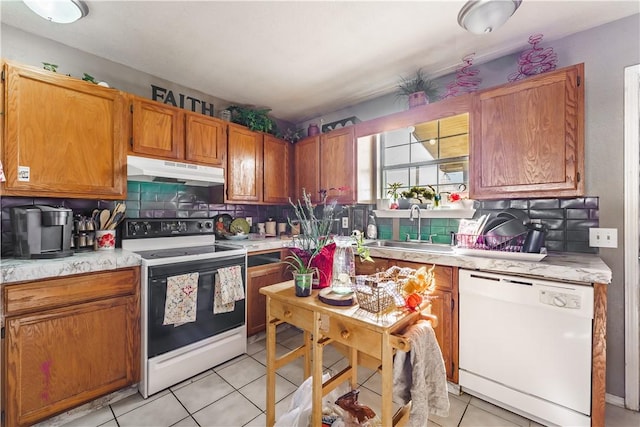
{"x":484,"y":16}
{"x":58,"y":11}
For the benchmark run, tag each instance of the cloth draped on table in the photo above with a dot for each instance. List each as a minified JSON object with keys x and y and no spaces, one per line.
{"x":229,"y":288}
{"x":181,"y":301}
{"x":420,"y":377}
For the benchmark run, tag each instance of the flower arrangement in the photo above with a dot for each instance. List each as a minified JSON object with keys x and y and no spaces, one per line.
{"x":394,"y":193}
{"x":422,"y":194}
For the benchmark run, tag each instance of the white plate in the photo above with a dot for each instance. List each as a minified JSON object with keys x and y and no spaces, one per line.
{"x":518,"y":256}
{"x":236,"y":236}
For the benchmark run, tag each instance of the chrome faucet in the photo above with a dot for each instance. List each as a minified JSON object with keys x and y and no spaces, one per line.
{"x":415,"y":208}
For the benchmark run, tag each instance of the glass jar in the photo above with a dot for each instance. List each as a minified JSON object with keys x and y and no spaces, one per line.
{"x":344,"y":266}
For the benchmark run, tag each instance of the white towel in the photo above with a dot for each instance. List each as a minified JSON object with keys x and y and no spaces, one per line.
{"x":181,"y":301}
{"x":421,"y":378}
{"x":229,"y":288}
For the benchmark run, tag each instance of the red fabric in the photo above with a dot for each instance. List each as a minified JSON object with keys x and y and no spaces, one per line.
{"x":323,"y":262}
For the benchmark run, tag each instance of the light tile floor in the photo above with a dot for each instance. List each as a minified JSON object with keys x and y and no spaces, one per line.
{"x":233,"y":394}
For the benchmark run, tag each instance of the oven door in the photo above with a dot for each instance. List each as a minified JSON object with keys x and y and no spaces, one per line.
{"x":164,"y":338}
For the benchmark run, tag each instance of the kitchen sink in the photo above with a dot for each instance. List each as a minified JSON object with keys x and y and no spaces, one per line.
{"x":412,"y":245}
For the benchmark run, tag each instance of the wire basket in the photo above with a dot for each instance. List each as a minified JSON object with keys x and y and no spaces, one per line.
{"x":376,"y":293}
{"x":491,"y":242}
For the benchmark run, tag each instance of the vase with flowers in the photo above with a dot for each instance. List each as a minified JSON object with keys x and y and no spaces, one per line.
{"x":314,"y":245}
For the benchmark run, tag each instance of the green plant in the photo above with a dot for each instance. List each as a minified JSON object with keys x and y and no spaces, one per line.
{"x":315,"y":231}
{"x":417,"y":83}
{"x":254,"y":119}
{"x":89,"y":78}
{"x":420,"y":193}
{"x":299,"y":265}
{"x":393,"y":190}
{"x":50,"y":67}
{"x":292,"y":135}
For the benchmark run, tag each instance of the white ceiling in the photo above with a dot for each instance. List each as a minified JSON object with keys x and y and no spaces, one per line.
{"x":302,"y":59}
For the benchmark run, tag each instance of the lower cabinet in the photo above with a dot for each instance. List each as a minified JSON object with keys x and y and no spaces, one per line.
{"x":443,"y":305}
{"x":264,"y":269}
{"x":68,"y":341}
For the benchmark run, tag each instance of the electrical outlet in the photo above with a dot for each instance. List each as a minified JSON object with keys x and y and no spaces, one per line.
{"x":603,"y":237}
{"x":249,"y":221}
{"x":345,"y":222}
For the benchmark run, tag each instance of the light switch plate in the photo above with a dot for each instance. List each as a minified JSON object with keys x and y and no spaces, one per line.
{"x":345,"y":222}
{"x":603,"y":237}
{"x":249,"y":221}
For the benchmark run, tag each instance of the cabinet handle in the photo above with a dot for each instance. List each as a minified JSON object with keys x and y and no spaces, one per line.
{"x":345,"y":334}
{"x":288,"y":314}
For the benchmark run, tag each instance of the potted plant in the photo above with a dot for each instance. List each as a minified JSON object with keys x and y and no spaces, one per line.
{"x":254,"y":119}
{"x":314,"y":245}
{"x":417,"y":195}
{"x":419,"y":89}
{"x":302,"y":271}
{"x":394,"y":193}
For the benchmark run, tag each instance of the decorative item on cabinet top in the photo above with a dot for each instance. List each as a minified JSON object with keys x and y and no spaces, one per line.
{"x":349,"y":121}
{"x":419,"y":89}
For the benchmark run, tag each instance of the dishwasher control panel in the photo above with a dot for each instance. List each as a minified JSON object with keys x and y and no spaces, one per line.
{"x":560,"y":299}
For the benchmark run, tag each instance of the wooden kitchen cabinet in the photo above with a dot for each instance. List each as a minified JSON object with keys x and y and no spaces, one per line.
{"x":338,"y":164}
{"x":63,"y":137}
{"x":205,"y":139}
{"x":277,"y":178}
{"x":528,"y":137}
{"x":69,"y":340}
{"x":306,"y":167}
{"x":244,"y":165}
{"x":157,"y":129}
{"x":368,"y":267}
{"x":264,"y":269}
{"x":443,"y":305}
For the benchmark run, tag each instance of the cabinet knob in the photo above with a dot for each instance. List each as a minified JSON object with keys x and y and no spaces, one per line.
{"x":288,"y":314}
{"x":345,"y":334}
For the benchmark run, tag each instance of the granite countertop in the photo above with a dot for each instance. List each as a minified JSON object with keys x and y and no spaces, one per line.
{"x":20,"y":270}
{"x":563,"y":266}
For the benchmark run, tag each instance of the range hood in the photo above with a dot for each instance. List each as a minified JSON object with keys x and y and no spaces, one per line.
{"x":156,"y":170}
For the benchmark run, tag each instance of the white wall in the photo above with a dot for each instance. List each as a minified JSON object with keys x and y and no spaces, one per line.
{"x":605,"y":51}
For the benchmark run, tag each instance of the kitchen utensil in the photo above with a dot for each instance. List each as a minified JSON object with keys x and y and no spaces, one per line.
{"x":104,"y":218}
{"x":115,"y":220}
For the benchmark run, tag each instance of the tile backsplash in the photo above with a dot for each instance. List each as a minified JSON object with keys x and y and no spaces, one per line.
{"x":568,"y":220}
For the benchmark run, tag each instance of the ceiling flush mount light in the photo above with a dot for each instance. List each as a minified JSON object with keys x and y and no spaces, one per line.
{"x":58,"y":11}
{"x":484,"y":16}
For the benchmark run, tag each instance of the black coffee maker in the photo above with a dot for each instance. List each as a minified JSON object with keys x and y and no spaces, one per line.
{"x":41,"y":231}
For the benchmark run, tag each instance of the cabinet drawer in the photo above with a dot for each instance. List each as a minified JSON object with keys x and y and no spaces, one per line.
{"x":296,"y":316}
{"x":354,"y":336}
{"x":69,"y":290}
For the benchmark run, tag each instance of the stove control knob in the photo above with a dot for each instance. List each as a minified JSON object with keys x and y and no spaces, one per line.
{"x":146,"y":227}
{"x":208,"y":225}
{"x":134,"y":227}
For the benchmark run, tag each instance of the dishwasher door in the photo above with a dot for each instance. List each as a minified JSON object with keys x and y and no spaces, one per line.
{"x":527,"y":341}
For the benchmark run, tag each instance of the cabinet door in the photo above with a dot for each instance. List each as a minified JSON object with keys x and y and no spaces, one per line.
{"x":63,"y":137}
{"x":277,"y":170}
{"x":244,"y":165}
{"x":258,"y":277}
{"x":61,"y":358}
{"x":338,"y":164}
{"x":158,"y":129}
{"x":307,"y":168}
{"x":528,"y":137}
{"x":444,"y":307}
{"x":205,"y":139}
{"x":368,"y":267}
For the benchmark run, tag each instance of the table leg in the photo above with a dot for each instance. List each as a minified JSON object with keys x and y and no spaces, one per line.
{"x":307,"y":354}
{"x":316,"y":397}
{"x":271,"y":373}
{"x":387,"y":381}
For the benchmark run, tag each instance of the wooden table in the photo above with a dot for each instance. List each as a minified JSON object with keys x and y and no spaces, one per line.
{"x":368,"y":338}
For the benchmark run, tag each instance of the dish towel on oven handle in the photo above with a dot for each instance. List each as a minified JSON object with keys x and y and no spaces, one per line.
{"x":181,"y":302}
{"x":229,"y":288}
{"x":419,"y":376}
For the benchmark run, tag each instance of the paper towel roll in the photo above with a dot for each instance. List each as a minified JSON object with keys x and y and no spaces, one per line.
{"x":270,"y":227}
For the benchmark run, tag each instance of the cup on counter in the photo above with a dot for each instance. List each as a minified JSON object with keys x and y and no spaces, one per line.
{"x":105,"y":240}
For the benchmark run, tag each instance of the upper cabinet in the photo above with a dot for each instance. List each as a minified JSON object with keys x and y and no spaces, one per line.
{"x":169,"y":132}
{"x":338,"y":164}
{"x":244,"y":165}
{"x":63,"y":137}
{"x":306,"y":166}
{"x":205,"y":139}
{"x":528,"y":137}
{"x":158,"y":129}
{"x":277,"y":177}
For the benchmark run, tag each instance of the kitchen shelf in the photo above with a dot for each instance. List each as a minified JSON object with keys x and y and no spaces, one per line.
{"x":426,"y":213}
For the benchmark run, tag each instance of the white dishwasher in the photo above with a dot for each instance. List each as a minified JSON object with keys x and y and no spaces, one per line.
{"x":525,"y":344}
